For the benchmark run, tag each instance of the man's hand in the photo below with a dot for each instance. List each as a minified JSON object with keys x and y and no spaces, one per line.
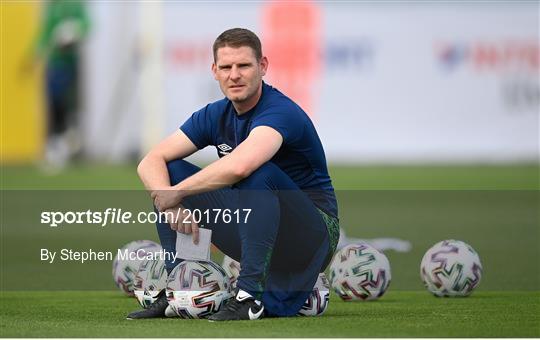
{"x":166,"y":198}
{"x":180,"y":220}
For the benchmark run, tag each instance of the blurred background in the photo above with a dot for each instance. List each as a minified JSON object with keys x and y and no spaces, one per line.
{"x":417,"y":98}
{"x":407,"y":82}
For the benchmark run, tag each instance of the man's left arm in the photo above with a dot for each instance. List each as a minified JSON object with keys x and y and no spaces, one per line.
{"x":259,"y":147}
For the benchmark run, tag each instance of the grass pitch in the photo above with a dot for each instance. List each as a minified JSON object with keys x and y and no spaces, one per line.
{"x":372,"y":177}
{"x":493,"y":208}
{"x":399,"y":313}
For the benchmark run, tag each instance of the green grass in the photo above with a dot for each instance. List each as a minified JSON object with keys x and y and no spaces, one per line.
{"x":502,"y":226}
{"x":368,"y":177}
{"x":436,"y":177}
{"x":397,"y":314}
{"x":493,"y":208}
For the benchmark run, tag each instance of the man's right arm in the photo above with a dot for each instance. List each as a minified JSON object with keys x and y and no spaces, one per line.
{"x":152,"y":169}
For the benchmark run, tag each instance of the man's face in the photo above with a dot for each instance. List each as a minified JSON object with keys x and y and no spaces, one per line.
{"x":239,"y":74}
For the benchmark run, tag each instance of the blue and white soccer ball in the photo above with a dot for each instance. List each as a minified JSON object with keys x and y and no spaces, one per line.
{"x":151,"y":278}
{"x":317,"y":302}
{"x":232,"y":268}
{"x":197,"y":289}
{"x":360,"y":272}
{"x":451,"y":268}
{"x":125,"y":268}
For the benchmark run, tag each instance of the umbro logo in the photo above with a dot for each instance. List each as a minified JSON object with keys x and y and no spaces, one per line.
{"x":224,"y":149}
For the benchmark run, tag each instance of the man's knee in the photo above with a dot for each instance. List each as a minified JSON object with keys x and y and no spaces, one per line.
{"x":179,"y":170}
{"x":267,"y":176}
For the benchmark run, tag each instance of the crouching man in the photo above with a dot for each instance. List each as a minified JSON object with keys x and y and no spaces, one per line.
{"x":272,"y":162}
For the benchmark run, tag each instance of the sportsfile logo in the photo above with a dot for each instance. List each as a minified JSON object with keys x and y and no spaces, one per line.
{"x":224,"y":149}
{"x":119,"y":216}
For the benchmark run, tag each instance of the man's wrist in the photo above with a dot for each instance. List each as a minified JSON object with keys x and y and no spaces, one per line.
{"x":182,"y":192}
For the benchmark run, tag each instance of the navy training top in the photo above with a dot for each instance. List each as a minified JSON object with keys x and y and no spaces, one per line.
{"x":301,"y":156}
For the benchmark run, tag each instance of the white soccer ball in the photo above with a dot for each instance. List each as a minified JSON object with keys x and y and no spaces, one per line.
{"x":451,"y":268}
{"x":125,"y":269}
{"x":197,"y":289}
{"x":151,"y":278}
{"x":317,"y":302}
{"x":360,"y":272}
{"x":232,"y":268}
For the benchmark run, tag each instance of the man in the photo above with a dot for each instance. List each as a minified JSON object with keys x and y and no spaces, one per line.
{"x":64,"y":27}
{"x":272,"y":162}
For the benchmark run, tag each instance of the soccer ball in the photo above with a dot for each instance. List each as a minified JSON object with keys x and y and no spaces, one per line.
{"x":149,"y":281}
{"x":197,"y":289}
{"x":125,"y":269}
{"x":451,"y":268}
{"x":317,"y":302}
{"x":232,"y":268}
{"x":360,"y":272}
